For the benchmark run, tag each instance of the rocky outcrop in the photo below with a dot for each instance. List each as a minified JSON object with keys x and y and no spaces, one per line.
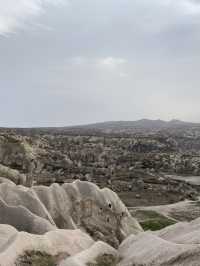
{"x":23,"y":220}
{"x":16,"y":151}
{"x":93,"y":256}
{"x":21,"y":248}
{"x":173,"y":246}
{"x":79,"y":224}
{"x":176,"y":245}
{"x":140,"y":251}
{"x":41,"y":223}
{"x":83,"y":205}
{"x":12,"y":174}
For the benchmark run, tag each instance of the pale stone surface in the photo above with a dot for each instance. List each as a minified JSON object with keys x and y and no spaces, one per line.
{"x":36,"y":214}
{"x":23,"y":220}
{"x":6,"y":180}
{"x":176,"y":245}
{"x":183,"y":232}
{"x":12,"y":174}
{"x":56,"y":243}
{"x":70,"y":206}
{"x":148,"y":249}
{"x":90,"y":255}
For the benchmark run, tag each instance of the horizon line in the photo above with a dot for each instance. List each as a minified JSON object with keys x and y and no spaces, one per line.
{"x":95,"y":123}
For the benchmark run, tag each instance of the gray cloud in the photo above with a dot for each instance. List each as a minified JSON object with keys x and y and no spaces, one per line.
{"x":14,"y":15}
{"x":93,"y":60}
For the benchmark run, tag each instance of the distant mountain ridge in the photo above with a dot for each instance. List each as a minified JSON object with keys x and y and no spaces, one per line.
{"x":113,"y":127}
{"x":142,"y":123}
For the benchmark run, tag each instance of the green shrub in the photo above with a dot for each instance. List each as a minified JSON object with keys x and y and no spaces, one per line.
{"x":36,"y":258}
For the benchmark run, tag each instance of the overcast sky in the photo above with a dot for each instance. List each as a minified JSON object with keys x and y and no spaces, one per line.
{"x":65,"y":62}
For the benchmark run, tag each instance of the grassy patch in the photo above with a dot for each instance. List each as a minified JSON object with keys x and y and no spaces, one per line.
{"x":156,"y":224}
{"x":104,"y":260}
{"x":152,"y":220}
{"x":36,"y":258}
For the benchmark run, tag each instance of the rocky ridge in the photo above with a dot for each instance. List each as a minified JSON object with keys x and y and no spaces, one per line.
{"x":82,"y":205}
{"x":50,"y":228}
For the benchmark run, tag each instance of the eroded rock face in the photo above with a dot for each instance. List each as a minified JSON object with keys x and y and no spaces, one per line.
{"x":175,"y":245}
{"x":21,"y":248}
{"x":83,"y":205}
{"x":23,"y":220}
{"x":141,"y":251}
{"x":16,"y":152}
{"x":12,"y":174}
{"x":99,"y":254}
{"x":45,"y":226}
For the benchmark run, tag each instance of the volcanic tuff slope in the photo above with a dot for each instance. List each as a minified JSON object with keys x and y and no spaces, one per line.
{"x":43,"y":228}
{"x":40,"y":209}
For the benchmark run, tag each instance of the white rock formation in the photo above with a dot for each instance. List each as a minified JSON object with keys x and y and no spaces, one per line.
{"x":30,"y":218}
{"x":176,"y":245}
{"x":57,"y":244}
{"x":71,"y":206}
{"x":90,"y":255}
{"x":12,"y":174}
